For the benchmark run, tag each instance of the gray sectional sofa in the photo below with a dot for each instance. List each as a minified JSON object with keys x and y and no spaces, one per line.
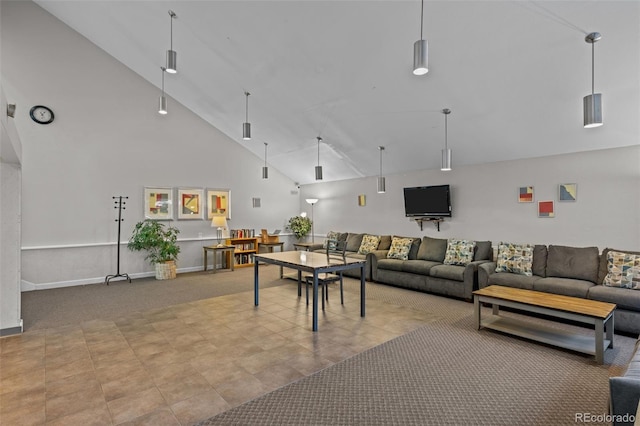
{"x":624,"y":392}
{"x":571,"y":271}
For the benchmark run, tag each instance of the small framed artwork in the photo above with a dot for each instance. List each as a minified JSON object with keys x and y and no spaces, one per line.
{"x":158,"y":203}
{"x":362,"y":200}
{"x":568,"y":192}
{"x":218,"y":203}
{"x":190,"y":203}
{"x":525,"y":194}
{"x":545,"y":209}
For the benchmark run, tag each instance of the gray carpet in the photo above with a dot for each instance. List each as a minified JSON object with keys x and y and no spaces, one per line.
{"x":73,"y":305}
{"x":443,"y":373}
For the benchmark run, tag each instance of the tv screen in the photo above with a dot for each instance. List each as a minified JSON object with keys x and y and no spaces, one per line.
{"x":433,"y":201}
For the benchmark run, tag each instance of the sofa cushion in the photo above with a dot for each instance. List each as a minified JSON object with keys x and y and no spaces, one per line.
{"x":483,"y":251}
{"x":512,"y":280}
{"x":353,"y":241}
{"x":390,"y":264}
{"x":421,"y":267}
{"x":602,"y":270}
{"x":432,"y":249}
{"x":385,"y":242}
{"x":459,"y":252}
{"x":623,"y":297}
{"x":400,"y":248}
{"x":369,"y":243}
{"x":449,"y":272}
{"x":564,"y":286}
{"x":539,"y":266}
{"x":623,"y":270}
{"x":515,"y":258}
{"x":580,"y":263}
{"x":415,"y":245}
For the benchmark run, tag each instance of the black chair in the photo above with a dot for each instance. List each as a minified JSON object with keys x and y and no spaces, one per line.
{"x":335,"y":254}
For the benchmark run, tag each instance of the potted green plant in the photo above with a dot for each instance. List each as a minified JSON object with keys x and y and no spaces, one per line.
{"x":300,"y":226}
{"x":160,"y":243}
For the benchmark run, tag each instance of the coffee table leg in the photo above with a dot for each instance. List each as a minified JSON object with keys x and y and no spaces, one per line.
{"x":315,"y":301}
{"x":255,"y":282}
{"x":599,"y":342}
{"x":476,"y":311}
{"x":608,"y":326}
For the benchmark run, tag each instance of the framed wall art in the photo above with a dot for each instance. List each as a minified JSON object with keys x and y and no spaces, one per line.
{"x":158,"y":203}
{"x":525,"y":194}
{"x":190,"y":203}
{"x":567,"y":192}
{"x":545,"y":209}
{"x":218,"y":203}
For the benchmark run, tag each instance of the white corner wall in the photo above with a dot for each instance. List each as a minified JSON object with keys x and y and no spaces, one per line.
{"x":485,"y":205}
{"x":108,"y":140}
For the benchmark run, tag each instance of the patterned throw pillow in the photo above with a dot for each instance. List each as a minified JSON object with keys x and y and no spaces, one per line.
{"x":400,"y":248}
{"x":369,"y":244}
{"x":459,"y":252}
{"x":331,"y":235}
{"x":624,"y":270}
{"x":515,"y":258}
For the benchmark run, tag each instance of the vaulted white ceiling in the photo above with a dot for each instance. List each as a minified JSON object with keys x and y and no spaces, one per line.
{"x":513,"y":73}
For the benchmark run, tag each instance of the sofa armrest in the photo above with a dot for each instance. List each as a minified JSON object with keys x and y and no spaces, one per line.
{"x":484,"y":271}
{"x":624,"y":398}
{"x":375,"y":256}
{"x":471,"y":277}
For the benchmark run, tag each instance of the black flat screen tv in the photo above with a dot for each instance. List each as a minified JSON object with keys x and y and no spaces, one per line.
{"x":428,"y":201}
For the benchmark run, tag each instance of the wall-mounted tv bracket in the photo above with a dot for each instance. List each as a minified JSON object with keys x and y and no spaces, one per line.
{"x":436,"y":221}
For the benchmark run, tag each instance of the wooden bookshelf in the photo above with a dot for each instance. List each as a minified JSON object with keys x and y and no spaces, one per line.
{"x":245,"y":250}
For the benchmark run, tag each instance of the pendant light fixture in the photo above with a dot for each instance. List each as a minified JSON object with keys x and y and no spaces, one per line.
{"x":592,"y":103}
{"x":446,"y":152}
{"x":421,"y":50}
{"x":172,"y":55}
{"x":265,"y":169}
{"x":381,"y":180}
{"x":319,"y":167}
{"x":162,"y":102}
{"x":246,"y":126}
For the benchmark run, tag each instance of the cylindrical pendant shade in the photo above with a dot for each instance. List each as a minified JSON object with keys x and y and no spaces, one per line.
{"x":446,"y":159}
{"x":162,"y":105}
{"x":420,"y":57}
{"x":172,"y":61}
{"x":381,"y":185}
{"x":265,"y":172}
{"x":592,"y":110}
{"x":246,"y":131}
{"x":318,"y":172}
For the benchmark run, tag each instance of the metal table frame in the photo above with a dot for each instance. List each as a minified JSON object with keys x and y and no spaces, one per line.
{"x":313,"y":263}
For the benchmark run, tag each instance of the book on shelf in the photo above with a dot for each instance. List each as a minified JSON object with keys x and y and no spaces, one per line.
{"x":242,"y":233}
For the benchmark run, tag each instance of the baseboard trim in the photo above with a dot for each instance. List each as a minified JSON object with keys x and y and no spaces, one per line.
{"x":10,"y":331}
{"x":30,"y":286}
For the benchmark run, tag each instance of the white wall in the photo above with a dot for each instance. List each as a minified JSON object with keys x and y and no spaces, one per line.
{"x":108,"y":140}
{"x":485,"y":206}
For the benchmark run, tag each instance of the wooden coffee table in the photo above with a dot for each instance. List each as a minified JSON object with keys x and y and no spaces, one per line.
{"x":586,"y":311}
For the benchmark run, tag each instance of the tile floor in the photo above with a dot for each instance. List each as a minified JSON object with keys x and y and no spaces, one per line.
{"x":185,"y":363}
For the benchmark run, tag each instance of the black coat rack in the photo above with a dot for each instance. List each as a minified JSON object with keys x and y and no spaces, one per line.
{"x":119,"y":204}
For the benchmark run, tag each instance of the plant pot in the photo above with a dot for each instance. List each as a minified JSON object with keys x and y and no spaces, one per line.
{"x":166,"y":270}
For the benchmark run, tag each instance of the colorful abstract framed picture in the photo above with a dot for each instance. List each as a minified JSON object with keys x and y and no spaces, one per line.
{"x":568,"y":192}
{"x":190,"y":203}
{"x":525,"y":194}
{"x":545,"y":209}
{"x":218,"y":203}
{"x":158,"y":203}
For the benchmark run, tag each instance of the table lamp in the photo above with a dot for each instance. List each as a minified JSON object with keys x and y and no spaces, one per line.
{"x":220,"y":222}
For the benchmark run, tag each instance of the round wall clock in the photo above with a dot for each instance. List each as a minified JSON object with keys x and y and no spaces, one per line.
{"x":41,"y":114}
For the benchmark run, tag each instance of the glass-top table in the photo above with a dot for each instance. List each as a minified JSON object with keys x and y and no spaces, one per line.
{"x":315,"y":264}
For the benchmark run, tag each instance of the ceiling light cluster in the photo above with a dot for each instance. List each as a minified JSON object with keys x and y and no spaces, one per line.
{"x":171,"y":67}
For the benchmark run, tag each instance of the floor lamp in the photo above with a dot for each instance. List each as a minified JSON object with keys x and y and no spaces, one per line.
{"x":312,"y":201}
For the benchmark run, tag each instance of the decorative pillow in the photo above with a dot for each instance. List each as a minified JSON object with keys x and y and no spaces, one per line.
{"x":369,"y":243}
{"x":331,"y":235}
{"x":515,"y":258}
{"x":400,"y":248}
{"x":624,"y":270}
{"x":459,"y":252}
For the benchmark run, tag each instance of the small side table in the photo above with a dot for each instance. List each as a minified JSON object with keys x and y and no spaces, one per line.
{"x":216,"y":250}
{"x":307,"y":246}
{"x":270,"y":247}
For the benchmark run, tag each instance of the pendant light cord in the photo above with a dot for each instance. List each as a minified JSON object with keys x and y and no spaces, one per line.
{"x":171,"y":15}
{"x":162,"y":68}
{"x":593,"y":73}
{"x":319,"y":139}
{"x":247,"y":107}
{"x":446,"y":136}
{"x":265,"y":154}
{"x":421,"y":18}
